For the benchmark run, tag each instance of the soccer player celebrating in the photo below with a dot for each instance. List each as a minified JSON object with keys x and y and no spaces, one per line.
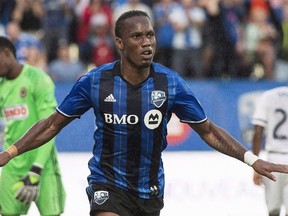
{"x":27,"y":96}
{"x":133,"y":99}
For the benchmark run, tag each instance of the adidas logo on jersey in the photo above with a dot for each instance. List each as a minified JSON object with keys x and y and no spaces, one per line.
{"x":110,"y":98}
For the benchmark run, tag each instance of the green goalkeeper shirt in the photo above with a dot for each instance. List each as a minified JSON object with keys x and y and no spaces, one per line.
{"x":24,"y":101}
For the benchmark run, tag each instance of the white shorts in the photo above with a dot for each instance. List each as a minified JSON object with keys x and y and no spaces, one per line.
{"x":276,"y":193}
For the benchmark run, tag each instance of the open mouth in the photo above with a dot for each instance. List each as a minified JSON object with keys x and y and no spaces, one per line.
{"x":147,"y":54}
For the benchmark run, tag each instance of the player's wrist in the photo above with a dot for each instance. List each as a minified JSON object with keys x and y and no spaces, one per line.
{"x":250,"y":158}
{"x":36,"y":168}
{"x":12,"y":151}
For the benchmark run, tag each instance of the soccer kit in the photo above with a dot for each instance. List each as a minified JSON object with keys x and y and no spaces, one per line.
{"x":272,"y":114}
{"x":24,"y":101}
{"x":131,"y":125}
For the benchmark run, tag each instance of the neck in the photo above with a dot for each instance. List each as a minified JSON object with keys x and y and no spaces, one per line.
{"x":134,"y":75}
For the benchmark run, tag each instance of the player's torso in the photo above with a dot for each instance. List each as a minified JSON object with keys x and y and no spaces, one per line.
{"x":19,"y":106}
{"x":131,"y":131}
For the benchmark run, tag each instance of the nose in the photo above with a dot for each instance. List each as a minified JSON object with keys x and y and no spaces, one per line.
{"x":146,"y":41}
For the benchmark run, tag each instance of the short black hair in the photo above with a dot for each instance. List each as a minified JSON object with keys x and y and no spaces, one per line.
{"x":6,"y":43}
{"x":120,"y":21}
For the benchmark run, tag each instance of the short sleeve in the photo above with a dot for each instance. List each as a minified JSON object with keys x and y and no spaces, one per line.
{"x":78,"y":100}
{"x":186,"y":106}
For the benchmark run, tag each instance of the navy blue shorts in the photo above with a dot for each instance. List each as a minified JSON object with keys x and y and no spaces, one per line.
{"x":107,"y":198}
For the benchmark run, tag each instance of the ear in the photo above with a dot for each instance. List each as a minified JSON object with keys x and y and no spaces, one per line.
{"x":119,"y":43}
{"x":8,"y":53}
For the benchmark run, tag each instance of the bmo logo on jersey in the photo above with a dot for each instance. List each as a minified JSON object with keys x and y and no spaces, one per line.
{"x":16,"y":112}
{"x":152,"y":119}
{"x":124,"y":119}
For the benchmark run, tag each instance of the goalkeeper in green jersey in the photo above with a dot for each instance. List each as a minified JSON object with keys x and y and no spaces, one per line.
{"x":26,"y":96}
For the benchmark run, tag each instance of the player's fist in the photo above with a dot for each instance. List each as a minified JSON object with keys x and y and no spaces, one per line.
{"x":27,"y":187}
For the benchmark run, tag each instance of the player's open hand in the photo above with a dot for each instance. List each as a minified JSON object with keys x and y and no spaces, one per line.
{"x":266,"y":168}
{"x":5,"y":157}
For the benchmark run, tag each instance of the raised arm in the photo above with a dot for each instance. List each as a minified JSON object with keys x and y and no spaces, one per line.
{"x":223,"y":142}
{"x":39,"y":134}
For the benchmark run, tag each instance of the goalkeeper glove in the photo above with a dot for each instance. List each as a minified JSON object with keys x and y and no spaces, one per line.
{"x":27,"y":187}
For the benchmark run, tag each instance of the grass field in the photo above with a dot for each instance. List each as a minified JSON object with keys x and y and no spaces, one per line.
{"x":197,"y":183}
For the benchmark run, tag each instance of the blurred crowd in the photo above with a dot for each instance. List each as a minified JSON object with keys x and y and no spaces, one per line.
{"x":200,"y":39}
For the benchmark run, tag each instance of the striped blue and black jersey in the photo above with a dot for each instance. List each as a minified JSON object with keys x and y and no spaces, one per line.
{"x":131,"y":123}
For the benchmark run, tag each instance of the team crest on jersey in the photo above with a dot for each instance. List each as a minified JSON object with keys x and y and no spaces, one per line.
{"x":158,"y":98}
{"x":23,"y":92}
{"x":100,"y":197}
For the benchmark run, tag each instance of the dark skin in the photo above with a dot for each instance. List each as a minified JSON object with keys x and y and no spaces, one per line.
{"x":10,"y":68}
{"x":257,"y":141}
{"x":137,"y":47}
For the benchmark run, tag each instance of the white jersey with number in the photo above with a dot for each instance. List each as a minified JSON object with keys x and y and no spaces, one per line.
{"x":272,"y":114}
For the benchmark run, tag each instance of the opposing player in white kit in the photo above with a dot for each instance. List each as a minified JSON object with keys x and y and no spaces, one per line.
{"x":270,"y":120}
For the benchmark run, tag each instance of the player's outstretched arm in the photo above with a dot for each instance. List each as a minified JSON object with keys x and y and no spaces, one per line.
{"x":39,"y":134}
{"x":223,"y":142}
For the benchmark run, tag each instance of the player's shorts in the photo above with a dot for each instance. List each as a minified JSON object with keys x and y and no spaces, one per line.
{"x":108,"y":198}
{"x":276,"y":193}
{"x":51,"y":200}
